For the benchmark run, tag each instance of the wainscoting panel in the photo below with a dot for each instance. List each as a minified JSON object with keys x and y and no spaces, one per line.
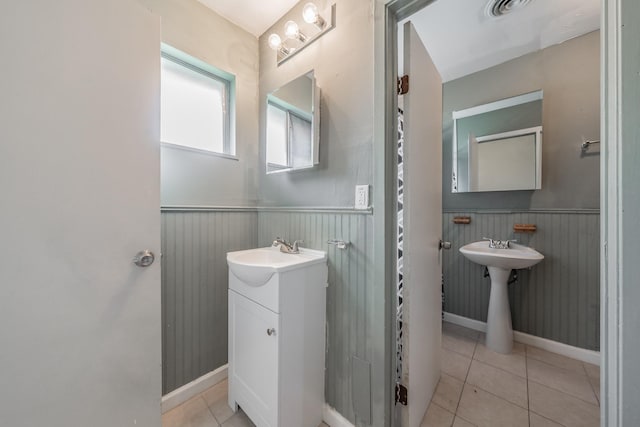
{"x":558,"y":299}
{"x":194,"y":288}
{"x":349,"y":296}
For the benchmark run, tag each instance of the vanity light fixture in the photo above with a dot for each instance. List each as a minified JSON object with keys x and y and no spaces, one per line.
{"x":311,"y":16}
{"x":292,"y":31}
{"x":297,"y":39}
{"x":275,"y":43}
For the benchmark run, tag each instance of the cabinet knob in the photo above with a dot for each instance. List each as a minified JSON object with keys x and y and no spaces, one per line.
{"x":271,"y":331}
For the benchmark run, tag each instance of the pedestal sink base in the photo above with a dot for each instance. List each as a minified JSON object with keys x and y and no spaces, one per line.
{"x":500,"y":262}
{"x":499,"y":330}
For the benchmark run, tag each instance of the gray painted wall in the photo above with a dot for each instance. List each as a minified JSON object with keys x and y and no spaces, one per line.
{"x":350,"y":300}
{"x":343,"y":64}
{"x":194,"y":289}
{"x":558,"y":299}
{"x":194,"y":178}
{"x":569,"y":75}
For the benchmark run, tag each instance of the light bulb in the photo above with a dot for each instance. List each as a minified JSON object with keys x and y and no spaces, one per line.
{"x":310,"y":13}
{"x":291,"y":30}
{"x":275,"y":42}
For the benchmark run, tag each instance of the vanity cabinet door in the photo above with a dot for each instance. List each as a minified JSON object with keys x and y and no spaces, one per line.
{"x":254,"y":336}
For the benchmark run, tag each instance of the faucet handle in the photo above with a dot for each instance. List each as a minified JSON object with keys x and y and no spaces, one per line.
{"x":295,"y":245}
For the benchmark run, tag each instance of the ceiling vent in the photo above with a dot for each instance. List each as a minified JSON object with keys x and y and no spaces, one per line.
{"x":498,"y":8}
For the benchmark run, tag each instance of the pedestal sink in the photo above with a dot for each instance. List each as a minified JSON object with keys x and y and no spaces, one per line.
{"x":500,"y":262}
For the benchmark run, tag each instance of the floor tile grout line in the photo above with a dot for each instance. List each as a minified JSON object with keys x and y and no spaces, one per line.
{"x":565,"y":393}
{"x":593,"y":389}
{"x":465,"y":380}
{"x":498,"y":367}
{"x":457,"y":352}
{"x":441,"y":407}
{"x":556,"y":366}
{"x":495,"y":395}
{"x":218,"y":423}
{"x":463,"y":418}
{"x":546,"y":418}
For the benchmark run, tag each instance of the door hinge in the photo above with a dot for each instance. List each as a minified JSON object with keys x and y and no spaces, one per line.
{"x":403,"y":85}
{"x":402,"y":394}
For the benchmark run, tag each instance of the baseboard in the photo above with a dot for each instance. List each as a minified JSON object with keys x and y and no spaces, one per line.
{"x":187,"y":391}
{"x":476,"y":325}
{"x":577,"y":353}
{"x":333,"y":418}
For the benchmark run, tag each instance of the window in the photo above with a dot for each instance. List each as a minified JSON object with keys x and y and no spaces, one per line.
{"x":195,"y":104}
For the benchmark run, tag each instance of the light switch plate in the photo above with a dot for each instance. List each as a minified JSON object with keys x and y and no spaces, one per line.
{"x":362,"y":197}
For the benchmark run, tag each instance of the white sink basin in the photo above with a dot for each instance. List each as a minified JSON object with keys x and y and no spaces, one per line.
{"x":256,"y":266}
{"x":517,"y":256}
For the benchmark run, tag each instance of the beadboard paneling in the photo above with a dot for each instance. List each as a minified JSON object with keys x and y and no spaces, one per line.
{"x":558,"y":299}
{"x":194,"y":289}
{"x":349,"y":296}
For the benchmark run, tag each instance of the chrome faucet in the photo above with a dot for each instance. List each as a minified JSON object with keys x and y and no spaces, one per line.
{"x":287,"y":247}
{"x":499,"y":244}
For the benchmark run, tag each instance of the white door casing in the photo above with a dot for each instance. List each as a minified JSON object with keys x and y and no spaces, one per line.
{"x":79,"y":179}
{"x":422,"y":227}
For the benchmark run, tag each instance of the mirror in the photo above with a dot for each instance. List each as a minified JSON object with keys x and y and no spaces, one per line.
{"x":292,"y":132}
{"x":498,"y":146}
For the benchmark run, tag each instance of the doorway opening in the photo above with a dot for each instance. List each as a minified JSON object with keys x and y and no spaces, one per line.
{"x":526,"y":207}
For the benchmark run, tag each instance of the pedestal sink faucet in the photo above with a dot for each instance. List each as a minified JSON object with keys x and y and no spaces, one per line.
{"x":499,"y":244}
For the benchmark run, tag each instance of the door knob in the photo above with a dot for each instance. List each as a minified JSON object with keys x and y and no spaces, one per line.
{"x":444,"y":245}
{"x":144,"y":258}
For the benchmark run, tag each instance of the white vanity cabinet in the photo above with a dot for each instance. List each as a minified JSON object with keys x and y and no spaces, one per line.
{"x":277,"y":337}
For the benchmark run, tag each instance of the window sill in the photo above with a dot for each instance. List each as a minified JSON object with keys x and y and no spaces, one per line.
{"x":200,"y":151}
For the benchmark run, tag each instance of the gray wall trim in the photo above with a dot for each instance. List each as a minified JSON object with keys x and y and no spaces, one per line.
{"x":208,"y":209}
{"x":340,"y":210}
{"x":538,"y":211}
{"x":335,"y":210}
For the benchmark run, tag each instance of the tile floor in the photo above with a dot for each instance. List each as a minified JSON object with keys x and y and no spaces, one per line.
{"x":530,"y":387}
{"x":208,"y":409}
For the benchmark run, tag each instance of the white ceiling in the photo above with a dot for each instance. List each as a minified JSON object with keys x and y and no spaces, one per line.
{"x":255,"y":16}
{"x":461,"y":39}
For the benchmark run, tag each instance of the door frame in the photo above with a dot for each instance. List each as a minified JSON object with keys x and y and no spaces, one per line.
{"x":387,"y":15}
